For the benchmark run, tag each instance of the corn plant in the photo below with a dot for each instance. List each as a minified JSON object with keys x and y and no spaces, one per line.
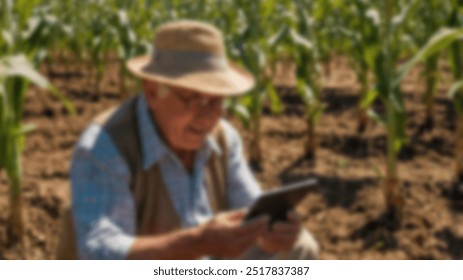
{"x":69,"y":49}
{"x":15,"y":74}
{"x":252,"y":51}
{"x":325,"y":15}
{"x":389,"y":79}
{"x":439,"y":41}
{"x":388,"y":87}
{"x":21,"y":45}
{"x":306,"y":53}
{"x":100,"y":41}
{"x":292,"y":41}
{"x":432,"y":15}
{"x":360,"y":27}
{"x":127,"y":42}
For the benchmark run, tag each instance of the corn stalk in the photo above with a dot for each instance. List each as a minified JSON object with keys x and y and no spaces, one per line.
{"x":394,"y":108}
{"x":456,"y":93}
{"x":431,"y":79}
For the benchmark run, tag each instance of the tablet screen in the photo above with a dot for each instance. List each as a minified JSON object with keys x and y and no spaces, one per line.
{"x":278,"y":202}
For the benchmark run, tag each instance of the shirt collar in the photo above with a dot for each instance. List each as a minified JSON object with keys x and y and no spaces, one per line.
{"x":153,"y":147}
{"x":212,"y":145}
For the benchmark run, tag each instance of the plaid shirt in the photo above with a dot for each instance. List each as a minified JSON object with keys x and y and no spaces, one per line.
{"x":103,"y":206}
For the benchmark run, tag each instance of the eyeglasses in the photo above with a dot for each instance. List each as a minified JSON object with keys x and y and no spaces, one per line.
{"x":199,"y":102}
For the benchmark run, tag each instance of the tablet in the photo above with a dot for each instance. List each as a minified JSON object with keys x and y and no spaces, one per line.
{"x":276,"y":203}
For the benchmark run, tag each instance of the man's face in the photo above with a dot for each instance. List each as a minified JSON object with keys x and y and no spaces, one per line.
{"x":184,"y":117}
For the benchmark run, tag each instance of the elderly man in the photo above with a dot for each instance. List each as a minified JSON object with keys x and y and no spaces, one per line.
{"x":162,"y":177}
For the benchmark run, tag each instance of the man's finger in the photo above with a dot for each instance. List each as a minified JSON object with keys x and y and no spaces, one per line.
{"x":246,"y":241}
{"x":285,"y":227}
{"x":274,"y":244}
{"x":281,"y":235}
{"x":258,"y":223}
{"x":237,"y":215}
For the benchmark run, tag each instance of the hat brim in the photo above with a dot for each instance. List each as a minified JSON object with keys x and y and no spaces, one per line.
{"x":231,"y":81}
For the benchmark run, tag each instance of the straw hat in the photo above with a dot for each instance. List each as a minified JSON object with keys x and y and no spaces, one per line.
{"x":191,"y":55}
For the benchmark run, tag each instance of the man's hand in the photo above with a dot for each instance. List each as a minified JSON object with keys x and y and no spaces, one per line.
{"x":225,"y":235}
{"x":282,"y":235}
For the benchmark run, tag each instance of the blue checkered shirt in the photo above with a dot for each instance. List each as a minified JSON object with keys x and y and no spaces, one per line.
{"x":103,"y":206}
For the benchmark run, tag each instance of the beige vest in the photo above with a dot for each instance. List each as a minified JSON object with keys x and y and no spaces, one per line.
{"x":155,"y":213}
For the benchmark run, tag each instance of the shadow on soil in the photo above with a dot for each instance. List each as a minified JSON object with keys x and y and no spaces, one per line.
{"x":379,"y":233}
{"x":336,"y":191}
{"x":454,"y":243}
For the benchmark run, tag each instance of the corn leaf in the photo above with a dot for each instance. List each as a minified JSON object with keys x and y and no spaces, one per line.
{"x":442,"y":39}
{"x":278,"y":37}
{"x":19,"y":66}
{"x":300,"y":41}
{"x":243,"y":114}
{"x":376,"y":117}
{"x":400,"y":19}
{"x":397,"y":101}
{"x":275,"y":101}
{"x":401,"y":136}
{"x":369,"y":98}
{"x":25,"y":129}
{"x":306,"y":92}
{"x":456,"y":87}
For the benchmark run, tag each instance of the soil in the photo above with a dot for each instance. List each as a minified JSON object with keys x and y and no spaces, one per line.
{"x":346,"y":213}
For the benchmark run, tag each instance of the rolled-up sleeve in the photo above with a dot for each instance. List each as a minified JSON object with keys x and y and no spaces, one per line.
{"x":243,"y":188}
{"x":102,"y":205}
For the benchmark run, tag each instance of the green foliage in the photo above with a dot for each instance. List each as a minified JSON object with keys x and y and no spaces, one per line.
{"x":383,"y":40}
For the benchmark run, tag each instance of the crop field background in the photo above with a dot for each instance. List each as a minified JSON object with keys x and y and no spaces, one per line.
{"x":364,"y":95}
